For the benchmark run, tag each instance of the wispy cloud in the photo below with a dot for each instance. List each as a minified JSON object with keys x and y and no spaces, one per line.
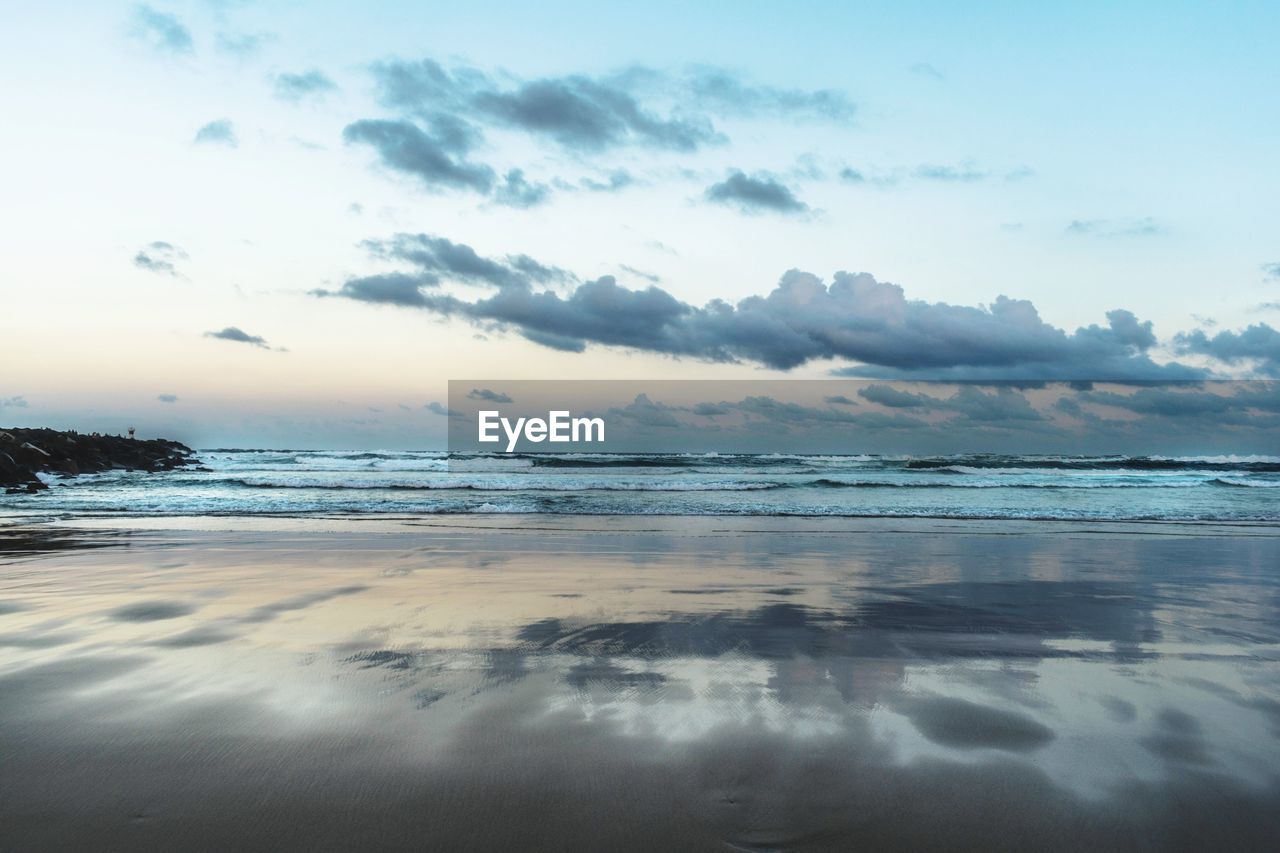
{"x":161,"y":30}
{"x":243,"y":45}
{"x":217,"y":132}
{"x":307,"y":84}
{"x":1144,"y":227}
{"x":160,"y":257}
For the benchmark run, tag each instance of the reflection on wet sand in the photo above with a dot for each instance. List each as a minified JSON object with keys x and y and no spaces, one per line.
{"x":643,"y":684}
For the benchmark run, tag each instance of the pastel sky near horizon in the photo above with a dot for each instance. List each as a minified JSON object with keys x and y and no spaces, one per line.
{"x":290,"y":224}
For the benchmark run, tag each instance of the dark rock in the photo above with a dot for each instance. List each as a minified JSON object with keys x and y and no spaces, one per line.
{"x":25,"y":452}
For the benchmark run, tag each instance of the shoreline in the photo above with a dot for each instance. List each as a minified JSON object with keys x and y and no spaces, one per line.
{"x":605,"y":522}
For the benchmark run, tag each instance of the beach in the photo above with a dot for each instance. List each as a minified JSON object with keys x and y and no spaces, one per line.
{"x":573,"y":682}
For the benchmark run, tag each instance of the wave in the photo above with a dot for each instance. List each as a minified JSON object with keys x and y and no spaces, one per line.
{"x":1237,"y":483}
{"x":667,"y":485}
{"x":827,"y":483}
{"x":1259,"y":464}
{"x":447,"y":485}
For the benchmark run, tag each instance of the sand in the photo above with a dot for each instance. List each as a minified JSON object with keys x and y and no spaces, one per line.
{"x":584,"y":683}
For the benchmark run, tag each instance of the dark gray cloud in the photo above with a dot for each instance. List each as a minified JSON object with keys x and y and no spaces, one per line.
{"x":232,"y":333}
{"x":217,"y":132}
{"x":1002,"y":404}
{"x":438,"y":408}
{"x":393,"y":288}
{"x":1144,"y":227}
{"x":1268,"y":306}
{"x":577,"y":112}
{"x":584,"y":114}
{"x":167,"y":398}
{"x":159,"y":257}
{"x":15,"y":402}
{"x":515,"y":191}
{"x":755,"y":193}
{"x":442,"y":113}
{"x":1259,"y":344}
{"x":161,"y":30}
{"x":854,"y":318}
{"x":437,"y":260}
{"x":295,"y":87}
{"x":893,"y":398}
{"x":436,"y":158}
{"x":488,"y":396}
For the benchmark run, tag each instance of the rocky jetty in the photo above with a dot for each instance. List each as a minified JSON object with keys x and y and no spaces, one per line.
{"x":26,"y":452}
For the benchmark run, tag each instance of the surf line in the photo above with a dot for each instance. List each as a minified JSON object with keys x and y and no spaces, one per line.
{"x":557,"y":427}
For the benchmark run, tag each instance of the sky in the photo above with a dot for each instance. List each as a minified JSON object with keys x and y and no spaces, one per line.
{"x":290,"y":224}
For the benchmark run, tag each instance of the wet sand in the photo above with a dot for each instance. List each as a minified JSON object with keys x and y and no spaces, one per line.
{"x":582,"y":683}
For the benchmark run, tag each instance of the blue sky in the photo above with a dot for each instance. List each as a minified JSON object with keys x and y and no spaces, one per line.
{"x":178,"y":170}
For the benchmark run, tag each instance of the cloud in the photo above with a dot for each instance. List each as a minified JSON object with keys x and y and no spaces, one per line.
{"x":443,"y":112}
{"x":1005,"y":404}
{"x":436,"y":158}
{"x":1258,"y":344}
{"x":724,"y":93}
{"x":618,"y":179}
{"x":652,"y":278}
{"x":439,"y":409}
{"x":1272,"y":271}
{"x":854,"y":318}
{"x":488,"y":396}
{"x":585,"y":114}
{"x":296,"y":87}
{"x":167,"y":398}
{"x":232,"y":333}
{"x":243,"y":45}
{"x":160,"y":257}
{"x":1145,"y":227}
{"x":161,"y":30}
{"x":218,"y":132}
{"x":15,"y":402}
{"x":924,"y":69}
{"x":393,"y":288}
{"x":645,"y":412}
{"x":437,"y":259}
{"x":753,"y":194}
{"x":515,"y":191}
{"x":966,"y":173}
{"x":893,"y":398}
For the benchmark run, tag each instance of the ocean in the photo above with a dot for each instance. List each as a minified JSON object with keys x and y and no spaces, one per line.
{"x":982,"y":486}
